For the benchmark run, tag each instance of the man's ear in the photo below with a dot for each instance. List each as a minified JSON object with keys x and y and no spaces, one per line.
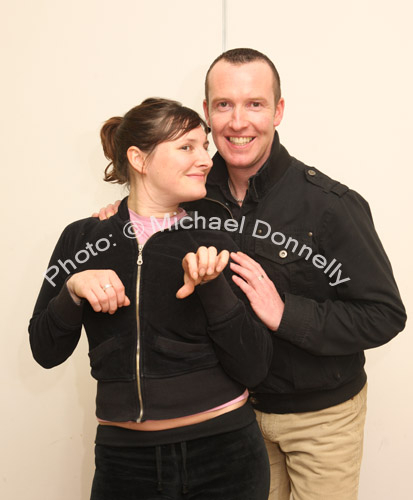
{"x":136,"y":158}
{"x":279,"y":112}
{"x":205,"y":104}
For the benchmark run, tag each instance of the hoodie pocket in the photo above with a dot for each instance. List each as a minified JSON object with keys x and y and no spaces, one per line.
{"x":168,"y":357}
{"x":113,"y":359}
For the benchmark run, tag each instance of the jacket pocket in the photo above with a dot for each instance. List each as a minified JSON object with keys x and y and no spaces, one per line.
{"x":294,"y":370}
{"x":168,"y":357}
{"x":315,"y":373}
{"x":286,"y":256}
{"x":113,"y":359}
{"x":312,"y":372}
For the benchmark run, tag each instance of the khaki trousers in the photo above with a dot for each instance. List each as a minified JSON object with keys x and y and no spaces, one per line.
{"x":316,"y":455}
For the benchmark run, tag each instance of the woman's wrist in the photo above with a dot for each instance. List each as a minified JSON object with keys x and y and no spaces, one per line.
{"x":69,"y":285}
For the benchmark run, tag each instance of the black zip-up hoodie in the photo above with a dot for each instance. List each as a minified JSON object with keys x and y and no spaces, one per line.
{"x":163,"y":358}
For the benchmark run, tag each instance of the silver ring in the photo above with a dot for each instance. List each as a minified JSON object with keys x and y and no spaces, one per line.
{"x":105,"y":287}
{"x":260,"y":277}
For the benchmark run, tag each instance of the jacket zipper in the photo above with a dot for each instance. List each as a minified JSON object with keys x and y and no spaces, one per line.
{"x":138,"y":327}
{"x":222,"y":205}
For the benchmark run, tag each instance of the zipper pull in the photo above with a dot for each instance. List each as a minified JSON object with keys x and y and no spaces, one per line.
{"x":140,"y":259}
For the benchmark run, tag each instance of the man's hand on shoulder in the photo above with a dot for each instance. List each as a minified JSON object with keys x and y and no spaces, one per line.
{"x":108,"y":211}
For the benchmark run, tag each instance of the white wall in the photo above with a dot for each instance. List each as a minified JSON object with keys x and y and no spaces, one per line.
{"x":67,"y":66}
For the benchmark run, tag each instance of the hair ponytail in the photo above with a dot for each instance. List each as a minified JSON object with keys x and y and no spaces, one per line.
{"x":108,"y":139}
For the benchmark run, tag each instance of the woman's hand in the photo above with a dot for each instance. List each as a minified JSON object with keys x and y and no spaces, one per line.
{"x":102,"y":288}
{"x":108,"y":211}
{"x":201,"y":267}
{"x":259,"y":289}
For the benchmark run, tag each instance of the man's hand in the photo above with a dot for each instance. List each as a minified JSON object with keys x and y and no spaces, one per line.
{"x":102,"y":288}
{"x":259,"y":289}
{"x":201,"y":267}
{"x":108,"y":211}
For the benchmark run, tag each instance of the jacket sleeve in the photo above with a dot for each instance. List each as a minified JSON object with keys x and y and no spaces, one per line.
{"x":362,"y":312}
{"x":55,"y":326}
{"x":243,"y":344}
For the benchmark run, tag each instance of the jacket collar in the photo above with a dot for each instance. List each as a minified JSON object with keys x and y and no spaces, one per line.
{"x":270,"y":173}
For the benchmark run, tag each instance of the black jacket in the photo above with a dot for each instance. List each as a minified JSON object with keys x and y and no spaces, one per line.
{"x":164,"y":358}
{"x":315,"y":239}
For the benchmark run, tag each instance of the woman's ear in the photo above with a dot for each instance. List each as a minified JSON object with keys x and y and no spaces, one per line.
{"x":136,"y":158}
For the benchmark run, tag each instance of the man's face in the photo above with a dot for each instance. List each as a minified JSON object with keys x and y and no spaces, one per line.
{"x":242,"y":113}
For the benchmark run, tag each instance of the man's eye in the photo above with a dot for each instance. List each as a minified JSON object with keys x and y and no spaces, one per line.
{"x":255,"y":104}
{"x":223,"y":104}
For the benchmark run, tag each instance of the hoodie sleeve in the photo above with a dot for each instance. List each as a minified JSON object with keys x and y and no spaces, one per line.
{"x":55,"y":327}
{"x":242,"y":343}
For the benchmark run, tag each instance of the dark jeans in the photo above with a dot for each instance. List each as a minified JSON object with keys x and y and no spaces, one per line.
{"x":230,"y":466}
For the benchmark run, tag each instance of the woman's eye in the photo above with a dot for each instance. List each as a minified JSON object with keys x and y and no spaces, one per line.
{"x":185,"y":148}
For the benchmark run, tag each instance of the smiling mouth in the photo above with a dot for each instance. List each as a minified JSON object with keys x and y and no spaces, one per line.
{"x":240,"y":141}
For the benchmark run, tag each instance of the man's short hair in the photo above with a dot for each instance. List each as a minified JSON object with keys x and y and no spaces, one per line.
{"x":244,"y":56}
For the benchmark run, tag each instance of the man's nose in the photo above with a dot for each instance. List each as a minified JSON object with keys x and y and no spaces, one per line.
{"x":238,"y":119}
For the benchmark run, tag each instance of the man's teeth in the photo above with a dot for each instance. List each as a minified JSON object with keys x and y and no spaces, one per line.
{"x":240,"y":140}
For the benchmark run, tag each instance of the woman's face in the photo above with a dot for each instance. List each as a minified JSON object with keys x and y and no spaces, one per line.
{"x":177,"y":170}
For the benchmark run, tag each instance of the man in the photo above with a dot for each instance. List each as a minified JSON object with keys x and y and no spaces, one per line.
{"x":315,"y":273}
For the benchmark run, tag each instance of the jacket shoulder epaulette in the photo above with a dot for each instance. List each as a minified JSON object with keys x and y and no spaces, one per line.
{"x":317,"y":178}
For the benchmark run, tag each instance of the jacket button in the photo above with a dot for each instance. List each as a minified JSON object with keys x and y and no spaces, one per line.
{"x":283,"y":254}
{"x":311,"y":172}
{"x":254,"y":401}
{"x":310,"y":234}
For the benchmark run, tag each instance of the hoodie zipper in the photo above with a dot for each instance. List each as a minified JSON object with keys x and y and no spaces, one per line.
{"x":138,"y":327}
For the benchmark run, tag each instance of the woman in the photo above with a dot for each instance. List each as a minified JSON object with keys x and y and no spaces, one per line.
{"x":172,"y":365}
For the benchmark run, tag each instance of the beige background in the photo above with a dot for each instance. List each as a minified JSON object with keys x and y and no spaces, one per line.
{"x":67,"y":66}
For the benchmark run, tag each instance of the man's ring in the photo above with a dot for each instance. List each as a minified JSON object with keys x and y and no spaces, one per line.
{"x":260,"y":277}
{"x":105,"y":287}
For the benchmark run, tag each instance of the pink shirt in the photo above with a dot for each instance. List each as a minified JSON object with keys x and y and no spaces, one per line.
{"x":145,"y":227}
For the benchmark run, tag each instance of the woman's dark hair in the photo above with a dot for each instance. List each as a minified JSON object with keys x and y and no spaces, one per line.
{"x":155,"y":120}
